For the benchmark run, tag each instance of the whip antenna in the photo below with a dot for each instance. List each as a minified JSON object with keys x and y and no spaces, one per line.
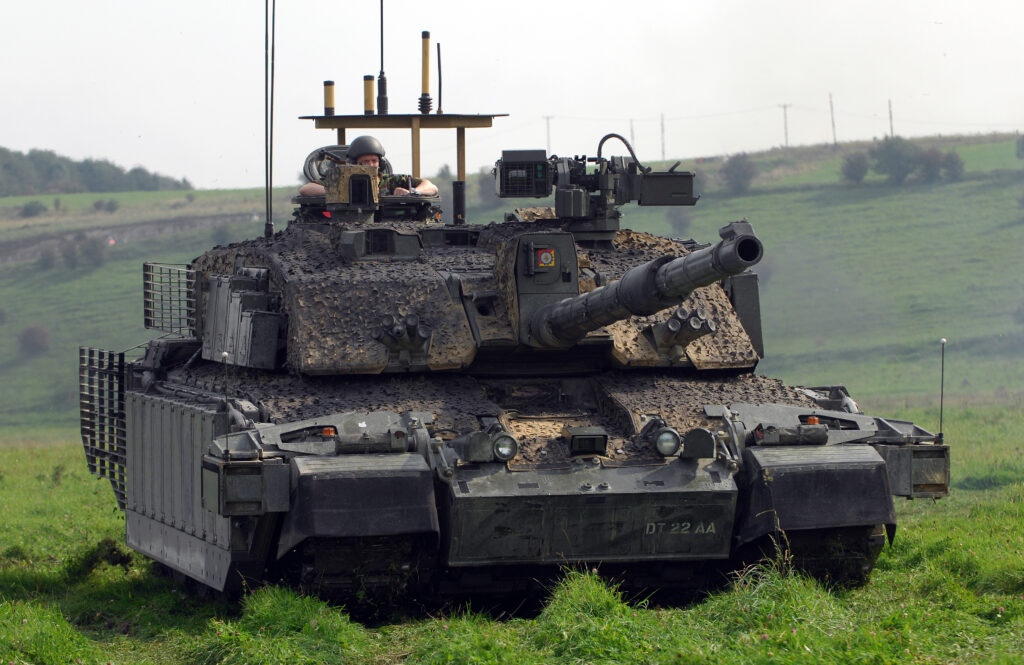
{"x":382,"y":81}
{"x":270,"y":11}
{"x":439,"y":111}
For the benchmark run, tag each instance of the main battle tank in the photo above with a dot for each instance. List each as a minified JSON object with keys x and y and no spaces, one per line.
{"x":374,"y":402}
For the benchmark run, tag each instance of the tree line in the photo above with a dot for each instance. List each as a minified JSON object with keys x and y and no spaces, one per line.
{"x":897,"y":159}
{"x":46,"y":172}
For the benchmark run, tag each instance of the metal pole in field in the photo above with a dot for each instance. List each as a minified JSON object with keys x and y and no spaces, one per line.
{"x":942,"y":384}
{"x":662,"y":137}
{"x":547,"y":126}
{"x":891,"y":132}
{"x":832,"y":113}
{"x":785,"y":121}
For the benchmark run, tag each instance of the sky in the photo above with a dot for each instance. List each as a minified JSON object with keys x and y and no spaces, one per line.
{"x":178,"y":87}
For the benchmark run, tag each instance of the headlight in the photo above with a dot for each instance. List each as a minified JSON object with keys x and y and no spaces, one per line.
{"x":505,"y":446}
{"x":666,"y":442}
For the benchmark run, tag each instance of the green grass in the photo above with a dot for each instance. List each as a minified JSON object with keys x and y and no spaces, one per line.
{"x":950,"y":590}
{"x":78,"y":214}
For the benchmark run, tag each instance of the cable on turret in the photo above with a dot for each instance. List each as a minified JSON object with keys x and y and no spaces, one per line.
{"x":632,"y":154}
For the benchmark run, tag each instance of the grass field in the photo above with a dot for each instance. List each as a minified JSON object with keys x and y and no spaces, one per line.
{"x":77,"y":211}
{"x":950,"y":590}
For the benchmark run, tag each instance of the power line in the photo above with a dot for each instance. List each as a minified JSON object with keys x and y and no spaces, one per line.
{"x":878,"y":116}
{"x":716,"y":114}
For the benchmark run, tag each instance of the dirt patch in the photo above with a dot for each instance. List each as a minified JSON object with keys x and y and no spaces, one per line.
{"x":105,"y":551}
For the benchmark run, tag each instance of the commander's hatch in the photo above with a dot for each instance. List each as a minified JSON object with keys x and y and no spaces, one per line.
{"x":380,"y":118}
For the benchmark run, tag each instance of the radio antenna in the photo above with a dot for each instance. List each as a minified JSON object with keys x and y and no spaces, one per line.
{"x":382,"y":81}
{"x":270,"y":11}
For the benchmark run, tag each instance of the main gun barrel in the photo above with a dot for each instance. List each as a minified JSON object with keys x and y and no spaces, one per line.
{"x":646,"y":289}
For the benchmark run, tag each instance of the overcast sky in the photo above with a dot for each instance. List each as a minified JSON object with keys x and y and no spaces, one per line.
{"x":177,"y":87}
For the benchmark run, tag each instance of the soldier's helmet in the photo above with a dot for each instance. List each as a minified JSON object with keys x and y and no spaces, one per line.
{"x":364,"y":145}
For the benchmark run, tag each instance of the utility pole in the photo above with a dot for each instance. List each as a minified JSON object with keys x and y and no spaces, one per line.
{"x":891,"y":132}
{"x":632,"y":138}
{"x":662,"y":137}
{"x":547,"y":123}
{"x":785,"y":121}
{"x":832,"y":112}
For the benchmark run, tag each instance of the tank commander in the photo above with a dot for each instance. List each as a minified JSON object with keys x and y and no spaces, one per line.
{"x":368,"y":151}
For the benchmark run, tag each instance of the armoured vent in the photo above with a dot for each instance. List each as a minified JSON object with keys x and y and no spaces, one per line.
{"x":169,"y":298}
{"x":101,"y":400}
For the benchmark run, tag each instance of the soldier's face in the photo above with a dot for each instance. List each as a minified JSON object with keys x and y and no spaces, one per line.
{"x":368,"y":160}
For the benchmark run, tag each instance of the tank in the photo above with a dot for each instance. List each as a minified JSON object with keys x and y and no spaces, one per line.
{"x":375,"y":402}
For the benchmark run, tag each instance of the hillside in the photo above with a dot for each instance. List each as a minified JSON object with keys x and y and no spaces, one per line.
{"x":858,"y":284}
{"x":46,"y":172}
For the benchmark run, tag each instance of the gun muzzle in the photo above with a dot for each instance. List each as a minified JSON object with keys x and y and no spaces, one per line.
{"x":646,"y":289}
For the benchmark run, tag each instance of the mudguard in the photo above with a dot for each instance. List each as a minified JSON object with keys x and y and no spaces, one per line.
{"x":358,"y":495}
{"x":812,"y":487}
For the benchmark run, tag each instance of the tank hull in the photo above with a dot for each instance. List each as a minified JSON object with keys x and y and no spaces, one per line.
{"x":396,"y":524}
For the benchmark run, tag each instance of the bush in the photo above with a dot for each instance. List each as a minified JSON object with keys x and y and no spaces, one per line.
{"x":953,"y":166}
{"x":896,"y":158}
{"x":34,"y":340}
{"x":111,"y":205}
{"x":69,"y":253}
{"x":99,"y":205}
{"x":94,"y":251}
{"x":32,"y":209}
{"x":931,"y":161}
{"x":679,"y":220}
{"x":739,"y":172}
{"x":47,"y":259}
{"x":702,"y":182}
{"x":855,"y":167}
{"x":221,"y":236}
